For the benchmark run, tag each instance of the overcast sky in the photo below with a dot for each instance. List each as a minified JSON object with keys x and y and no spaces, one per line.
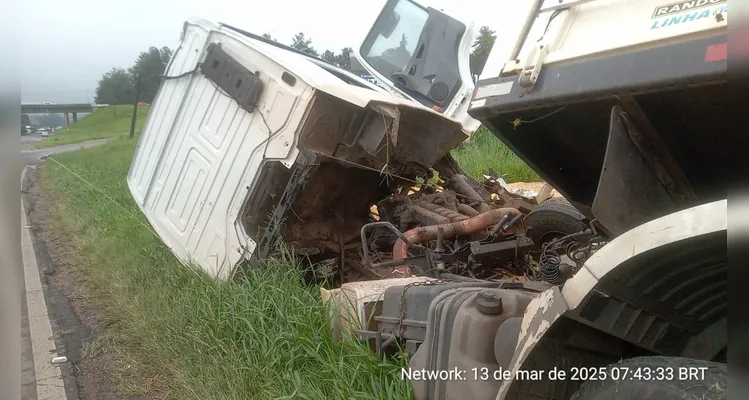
{"x":68,"y":45}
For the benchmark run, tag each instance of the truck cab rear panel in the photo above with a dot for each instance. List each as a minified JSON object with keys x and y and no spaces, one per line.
{"x":239,"y":124}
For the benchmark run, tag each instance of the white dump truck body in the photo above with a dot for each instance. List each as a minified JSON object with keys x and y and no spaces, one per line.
{"x":576,"y":30}
{"x":561,"y":68}
{"x":203,"y":145}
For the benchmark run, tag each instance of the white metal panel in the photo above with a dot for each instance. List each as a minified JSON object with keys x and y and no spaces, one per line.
{"x":601,"y":27}
{"x":199,"y":152}
{"x":692,"y":222}
{"x":156,"y":130}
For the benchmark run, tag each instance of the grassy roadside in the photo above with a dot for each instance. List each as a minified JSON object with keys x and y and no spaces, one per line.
{"x":104,"y":123}
{"x":485,"y":151}
{"x":264,"y":337}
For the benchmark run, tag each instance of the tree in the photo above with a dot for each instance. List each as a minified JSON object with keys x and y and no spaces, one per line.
{"x":115,"y":87}
{"x":481,"y":48}
{"x":25,"y":120}
{"x":330,"y":57}
{"x":149,"y":67}
{"x":302,"y":43}
{"x":269,"y":37}
{"x":47,"y":119}
{"x":343,"y":60}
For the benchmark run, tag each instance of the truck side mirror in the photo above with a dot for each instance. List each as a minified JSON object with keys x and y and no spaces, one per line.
{"x":388,"y":23}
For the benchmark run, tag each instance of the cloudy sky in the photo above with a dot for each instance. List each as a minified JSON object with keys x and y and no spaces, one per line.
{"x":68,"y":45}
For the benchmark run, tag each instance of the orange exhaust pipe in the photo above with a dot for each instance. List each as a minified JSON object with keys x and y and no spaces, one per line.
{"x":449,"y":230}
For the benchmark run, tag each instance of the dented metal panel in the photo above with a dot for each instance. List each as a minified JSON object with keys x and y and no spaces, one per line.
{"x":235,"y":104}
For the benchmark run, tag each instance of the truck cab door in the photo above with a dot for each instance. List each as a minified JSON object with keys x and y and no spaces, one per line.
{"x":422,"y":54}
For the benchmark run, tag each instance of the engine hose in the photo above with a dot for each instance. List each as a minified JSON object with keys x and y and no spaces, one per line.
{"x":450,"y":230}
{"x":427,"y":217}
{"x":465,"y":209}
{"x":445,"y":212}
{"x":575,"y":252}
{"x":461,"y":184}
{"x":550,"y":261}
{"x":479,"y":188}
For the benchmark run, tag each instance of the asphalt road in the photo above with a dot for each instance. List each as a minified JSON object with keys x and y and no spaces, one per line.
{"x":31,"y":156}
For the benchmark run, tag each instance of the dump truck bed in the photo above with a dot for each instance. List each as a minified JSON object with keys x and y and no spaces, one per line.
{"x":620,"y":105}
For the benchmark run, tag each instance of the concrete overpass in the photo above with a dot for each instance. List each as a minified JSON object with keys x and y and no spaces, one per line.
{"x":66,"y":109}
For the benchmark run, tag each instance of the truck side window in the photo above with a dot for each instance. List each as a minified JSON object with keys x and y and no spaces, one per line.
{"x":394,"y":36}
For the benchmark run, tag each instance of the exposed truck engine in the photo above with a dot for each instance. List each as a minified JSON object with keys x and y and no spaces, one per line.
{"x":622,"y":107}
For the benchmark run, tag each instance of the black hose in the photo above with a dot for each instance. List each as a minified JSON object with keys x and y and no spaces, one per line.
{"x":550,"y":261}
{"x":511,"y":223}
{"x":460,"y":184}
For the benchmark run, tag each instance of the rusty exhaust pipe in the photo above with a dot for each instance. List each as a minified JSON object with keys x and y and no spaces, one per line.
{"x":450,"y":230}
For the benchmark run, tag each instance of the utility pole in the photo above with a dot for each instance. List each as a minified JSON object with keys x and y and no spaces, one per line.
{"x":135,"y":106}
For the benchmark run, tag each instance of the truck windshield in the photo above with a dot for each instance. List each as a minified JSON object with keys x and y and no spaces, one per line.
{"x":393,"y":38}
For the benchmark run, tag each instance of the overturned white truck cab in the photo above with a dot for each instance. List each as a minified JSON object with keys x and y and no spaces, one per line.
{"x":247,"y":142}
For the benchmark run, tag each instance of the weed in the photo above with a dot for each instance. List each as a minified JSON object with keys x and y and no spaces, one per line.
{"x":484,"y":151}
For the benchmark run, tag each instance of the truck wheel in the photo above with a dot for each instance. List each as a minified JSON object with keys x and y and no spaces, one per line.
{"x":553,"y":218}
{"x":708,"y":385}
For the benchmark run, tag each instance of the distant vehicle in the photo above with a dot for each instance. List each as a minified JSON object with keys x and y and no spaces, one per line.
{"x":47,"y":103}
{"x":41,"y":130}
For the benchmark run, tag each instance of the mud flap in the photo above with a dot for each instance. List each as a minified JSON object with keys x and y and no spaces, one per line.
{"x":629,"y":192}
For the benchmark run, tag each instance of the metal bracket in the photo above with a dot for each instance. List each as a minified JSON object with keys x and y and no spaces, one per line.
{"x":424,"y":263}
{"x":232,"y":77}
{"x":376,"y":338}
{"x":532,"y":67}
{"x":553,"y":5}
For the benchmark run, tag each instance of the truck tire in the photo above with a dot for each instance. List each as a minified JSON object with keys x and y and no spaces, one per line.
{"x":711,"y":386}
{"x":553,"y":218}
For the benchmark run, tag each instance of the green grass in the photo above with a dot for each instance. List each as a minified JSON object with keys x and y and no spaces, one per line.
{"x":266,"y":336}
{"x":484,"y":151}
{"x":111,"y":122}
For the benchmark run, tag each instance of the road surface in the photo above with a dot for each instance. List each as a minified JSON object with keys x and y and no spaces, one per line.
{"x":41,"y":378}
{"x":31,"y":156}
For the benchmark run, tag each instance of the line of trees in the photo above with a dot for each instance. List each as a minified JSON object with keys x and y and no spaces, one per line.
{"x":118,"y":85}
{"x":481,"y":48}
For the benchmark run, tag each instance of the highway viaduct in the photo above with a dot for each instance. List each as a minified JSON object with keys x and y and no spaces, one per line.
{"x":45,"y":108}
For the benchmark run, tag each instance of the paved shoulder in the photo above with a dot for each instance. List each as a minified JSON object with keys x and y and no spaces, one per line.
{"x":47,"y":376}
